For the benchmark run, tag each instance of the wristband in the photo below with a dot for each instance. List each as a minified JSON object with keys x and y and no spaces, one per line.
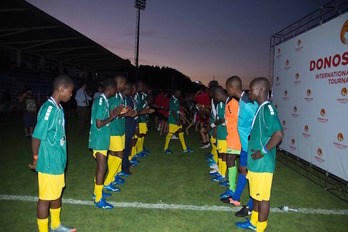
{"x":212,"y":125}
{"x":113,"y":116}
{"x":35,"y":157}
{"x":264,"y":150}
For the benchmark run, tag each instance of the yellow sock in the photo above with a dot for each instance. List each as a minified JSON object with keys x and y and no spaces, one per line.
{"x":261,"y":226}
{"x":220,"y":165}
{"x":118,"y":166}
{"x":223,"y":169}
{"x":168,"y":137}
{"x":213,"y":149}
{"x":55,"y":218}
{"x":42,"y":224}
{"x":254,"y":218}
{"x":98,"y":191}
{"x":111,"y":170}
{"x":139,"y":145}
{"x":182,"y":140}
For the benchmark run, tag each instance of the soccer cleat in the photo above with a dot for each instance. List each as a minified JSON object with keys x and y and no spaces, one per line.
{"x":206,"y":145}
{"x":188,"y":150}
{"x":227,"y":193}
{"x":63,"y":228}
{"x":123,"y":174}
{"x":103,"y":204}
{"x":246,"y":225}
{"x":168,"y":152}
{"x":213,"y":173}
{"x":118,"y":180}
{"x":210,"y":159}
{"x":212,"y":164}
{"x":112,"y":188}
{"x":104,"y":195}
{"x":217,"y":179}
{"x":209,"y":154}
{"x":174,"y":137}
{"x":234,"y":202}
{"x":146,"y":151}
{"x":245,"y":211}
{"x":224,"y":183}
{"x":214,"y":167}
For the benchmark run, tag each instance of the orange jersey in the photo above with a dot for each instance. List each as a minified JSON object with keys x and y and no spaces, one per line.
{"x":231,"y":119}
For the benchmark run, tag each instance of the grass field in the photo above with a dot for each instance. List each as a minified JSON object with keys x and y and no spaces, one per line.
{"x":178,"y":179}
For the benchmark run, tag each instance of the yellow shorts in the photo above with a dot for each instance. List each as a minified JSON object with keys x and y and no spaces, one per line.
{"x":173,"y":128}
{"x":117,"y":143}
{"x":230,"y":151}
{"x":221,"y":146}
{"x":260,"y":185}
{"x":50,"y":186}
{"x":213,"y":141}
{"x":103,"y":152}
{"x":142,"y":128}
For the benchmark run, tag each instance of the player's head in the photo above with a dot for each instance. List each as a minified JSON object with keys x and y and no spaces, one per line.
{"x":83,"y":85}
{"x":259,"y":88}
{"x":141,"y":86}
{"x":177,"y":93}
{"x":63,"y":86}
{"x":219,"y":94}
{"x":110,"y":87}
{"x":121,"y":81}
{"x":100,"y":87}
{"x":129,"y":89}
{"x":135,"y":89}
{"x":233,"y":84}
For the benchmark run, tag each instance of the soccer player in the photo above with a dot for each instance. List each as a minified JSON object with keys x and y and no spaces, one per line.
{"x":175,"y":123}
{"x":140,"y":98}
{"x":246,"y":113}
{"x":117,"y":138}
{"x":233,"y":143}
{"x":50,"y":155}
{"x":99,"y":137}
{"x":266,"y":133}
{"x":220,"y":97}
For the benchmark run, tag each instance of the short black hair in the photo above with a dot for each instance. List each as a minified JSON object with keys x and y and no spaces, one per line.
{"x":234,"y":81}
{"x":263,"y":82}
{"x":109,"y":83}
{"x":62,"y":81}
{"x":213,"y":83}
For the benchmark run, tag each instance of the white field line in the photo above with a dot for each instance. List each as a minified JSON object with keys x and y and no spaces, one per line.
{"x":174,"y":206}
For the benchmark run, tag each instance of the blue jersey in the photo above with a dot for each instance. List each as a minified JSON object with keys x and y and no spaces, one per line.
{"x":247,"y":110}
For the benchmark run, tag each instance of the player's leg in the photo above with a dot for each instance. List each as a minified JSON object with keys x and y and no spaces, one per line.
{"x":171,"y":131}
{"x":55,"y":209}
{"x":232,"y":173}
{"x":42,"y":215}
{"x":182,"y":141}
{"x":99,"y":179}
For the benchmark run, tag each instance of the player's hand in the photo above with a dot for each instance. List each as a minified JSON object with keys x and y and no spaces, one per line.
{"x":117,"y":110}
{"x":125,"y":110}
{"x":132,"y":113}
{"x":215,"y":133}
{"x":150,"y":111}
{"x":256,"y":154}
{"x":33,"y":165}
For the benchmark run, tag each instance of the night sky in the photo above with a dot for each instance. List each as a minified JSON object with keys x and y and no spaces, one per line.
{"x":200,"y":38}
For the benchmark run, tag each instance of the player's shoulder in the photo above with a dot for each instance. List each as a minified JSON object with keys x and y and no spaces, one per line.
{"x":269,"y":109}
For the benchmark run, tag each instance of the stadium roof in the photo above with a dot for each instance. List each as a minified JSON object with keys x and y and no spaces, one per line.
{"x":25,"y":27}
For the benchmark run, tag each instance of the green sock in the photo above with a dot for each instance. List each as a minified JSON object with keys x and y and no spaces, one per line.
{"x":232,"y":174}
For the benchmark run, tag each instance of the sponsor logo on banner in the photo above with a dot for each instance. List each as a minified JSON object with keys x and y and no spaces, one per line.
{"x":339,"y":143}
{"x":287,"y":65}
{"x":319,"y":156}
{"x":279,"y":54}
{"x":285,"y":98}
{"x":293,"y":145}
{"x":323,"y":118}
{"x":276,"y":106}
{"x":297,"y":80}
{"x":308,"y":98}
{"x":299,"y":47}
{"x":284,"y":125}
{"x":277,"y":83}
{"x":344,"y":99}
{"x":305,"y":133}
{"x":344,"y":33}
{"x":294,"y":114}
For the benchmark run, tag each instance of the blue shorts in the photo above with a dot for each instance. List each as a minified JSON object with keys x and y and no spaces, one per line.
{"x":29,"y":120}
{"x":243,"y":158}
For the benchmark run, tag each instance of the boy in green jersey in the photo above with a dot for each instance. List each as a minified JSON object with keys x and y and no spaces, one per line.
{"x":49,"y":151}
{"x":266,"y":133}
{"x":99,"y":136}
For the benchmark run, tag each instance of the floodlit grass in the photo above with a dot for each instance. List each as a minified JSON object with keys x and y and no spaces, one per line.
{"x":176,"y":179}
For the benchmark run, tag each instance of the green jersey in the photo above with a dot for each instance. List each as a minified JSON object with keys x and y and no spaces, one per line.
{"x":174,"y":105}
{"x":50,"y":130}
{"x":117,"y":126}
{"x":99,"y":139}
{"x":141,"y":103}
{"x":264,"y":125}
{"x":221,"y":129}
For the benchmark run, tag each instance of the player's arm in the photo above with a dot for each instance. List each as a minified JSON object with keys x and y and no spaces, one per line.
{"x":176,"y":118}
{"x":113,"y":114}
{"x":219,"y":122}
{"x":272,"y":143}
{"x":35,"y":145}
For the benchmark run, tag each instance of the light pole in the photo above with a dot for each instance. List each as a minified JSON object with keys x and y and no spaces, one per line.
{"x":140,"y":5}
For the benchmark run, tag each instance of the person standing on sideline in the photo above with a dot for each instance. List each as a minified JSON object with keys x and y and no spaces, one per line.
{"x":82,"y":100}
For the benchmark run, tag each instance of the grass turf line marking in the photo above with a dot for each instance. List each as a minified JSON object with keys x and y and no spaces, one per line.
{"x":173,"y":206}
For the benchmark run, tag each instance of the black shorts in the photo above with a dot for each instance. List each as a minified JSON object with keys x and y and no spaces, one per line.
{"x":162,"y":117}
{"x":29,"y":120}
